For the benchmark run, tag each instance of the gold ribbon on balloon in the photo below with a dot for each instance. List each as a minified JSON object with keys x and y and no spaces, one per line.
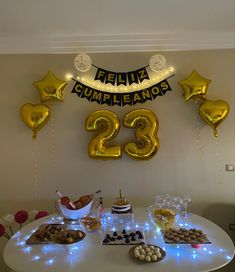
{"x":214,"y":113}
{"x":35,"y":116}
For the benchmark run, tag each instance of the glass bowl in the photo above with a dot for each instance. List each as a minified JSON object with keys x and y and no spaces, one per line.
{"x":162,"y":217}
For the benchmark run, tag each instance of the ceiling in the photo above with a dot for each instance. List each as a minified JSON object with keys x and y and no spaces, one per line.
{"x":72,"y":26}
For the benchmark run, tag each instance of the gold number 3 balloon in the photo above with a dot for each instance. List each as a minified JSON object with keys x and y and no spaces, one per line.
{"x":146,"y":124}
{"x":35,"y":116}
{"x":107,"y":123}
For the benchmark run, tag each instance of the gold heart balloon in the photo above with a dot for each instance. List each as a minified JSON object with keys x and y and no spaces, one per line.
{"x":214,"y":113}
{"x":35,"y":116}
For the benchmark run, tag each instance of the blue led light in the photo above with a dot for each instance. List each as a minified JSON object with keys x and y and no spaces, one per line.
{"x":136,"y":225}
{"x":50,"y":262}
{"x":36,"y":258}
{"x":186,"y":224}
{"x":181,"y":224}
{"x":127,"y":227}
{"x":221,"y":250}
{"x":210,"y":252}
{"x":27,"y":249}
{"x":109,"y":218}
{"x":194,"y":252}
{"x":76,"y":247}
{"x":228,"y":257}
{"x":178,"y":254}
{"x":194,"y":256}
{"x":163,"y":248}
{"x":20,"y":243}
{"x":178,"y":246}
{"x":205,"y":249}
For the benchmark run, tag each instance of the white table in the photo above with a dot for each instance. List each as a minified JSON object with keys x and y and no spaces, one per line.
{"x":89,"y":255}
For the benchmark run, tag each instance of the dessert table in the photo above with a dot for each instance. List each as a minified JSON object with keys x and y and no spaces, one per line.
{"x":89,"y":254}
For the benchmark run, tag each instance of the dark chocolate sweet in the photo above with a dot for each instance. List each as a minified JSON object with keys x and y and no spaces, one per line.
{"x":119,"y":237}
{"x":105,"y":241}
{"x":124,"y":231}
{"x":114,"y":233}
{"x":112,"y":239}
{"x":127,"y":241}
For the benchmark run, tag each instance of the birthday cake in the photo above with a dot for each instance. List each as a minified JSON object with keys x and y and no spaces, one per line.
{"x":121,"y":205}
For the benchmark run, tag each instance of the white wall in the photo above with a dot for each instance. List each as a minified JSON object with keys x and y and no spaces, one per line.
{"x":190,"y":160}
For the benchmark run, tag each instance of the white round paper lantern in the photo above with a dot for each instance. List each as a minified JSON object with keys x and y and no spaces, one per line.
{"x":157,"y":63}
{"x":83,"y":62}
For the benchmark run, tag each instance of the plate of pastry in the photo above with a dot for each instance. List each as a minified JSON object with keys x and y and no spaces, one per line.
{"x":69,"y":237}
{"x":147,"y":253}
{"x":45,"y":234}
{"x":185,"y":236}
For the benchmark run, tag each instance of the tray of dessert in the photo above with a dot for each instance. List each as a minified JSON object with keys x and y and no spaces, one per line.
{"x":185,"y":236}
{"x":147,"y":253}
{"x":124,"y":237}
{"x":55,"y":233}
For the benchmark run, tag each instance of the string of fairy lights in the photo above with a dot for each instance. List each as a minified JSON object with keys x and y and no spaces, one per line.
{"x":157,"y":70}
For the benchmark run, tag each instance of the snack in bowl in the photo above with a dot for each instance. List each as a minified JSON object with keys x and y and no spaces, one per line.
{"x":147,"y":253}
{"x":163,"y":218}
{"x":91,"y":223}
{"x":82,"y":205}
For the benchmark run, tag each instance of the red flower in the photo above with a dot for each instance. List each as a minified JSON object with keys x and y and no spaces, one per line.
{"x":41,"y":214}
{"x":2,"y":230}
{"x":21,"y":217}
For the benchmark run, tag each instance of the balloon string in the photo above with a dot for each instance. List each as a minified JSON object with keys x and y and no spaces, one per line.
{"x":34,"y":135}
{"x":200,"y":147}
{"x":52,"y":136}
{"x":219,"y":162}
{"x":215,"y":132}
{"x":36,"y":169}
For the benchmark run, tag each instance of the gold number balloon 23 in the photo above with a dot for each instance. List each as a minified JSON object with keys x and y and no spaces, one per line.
{"x":107,"y":124}
{"x":146,"y":124}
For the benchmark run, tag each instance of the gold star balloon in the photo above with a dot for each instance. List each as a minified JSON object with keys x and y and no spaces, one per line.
{"x":194,"y":86}
{"x":50,"y":87}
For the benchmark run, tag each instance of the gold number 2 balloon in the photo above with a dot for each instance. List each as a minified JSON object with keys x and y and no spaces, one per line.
{"x":35,"y":116}
{"x":214,"y":113}
{"x":146,"y":124}
{"x":107,"y":124}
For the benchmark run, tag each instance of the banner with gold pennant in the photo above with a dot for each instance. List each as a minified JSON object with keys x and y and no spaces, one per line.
{"x":121,"y":99}
{"x":124,"y":78}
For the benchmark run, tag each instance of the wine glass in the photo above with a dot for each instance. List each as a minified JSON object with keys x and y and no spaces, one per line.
{"x":186,"y":201}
